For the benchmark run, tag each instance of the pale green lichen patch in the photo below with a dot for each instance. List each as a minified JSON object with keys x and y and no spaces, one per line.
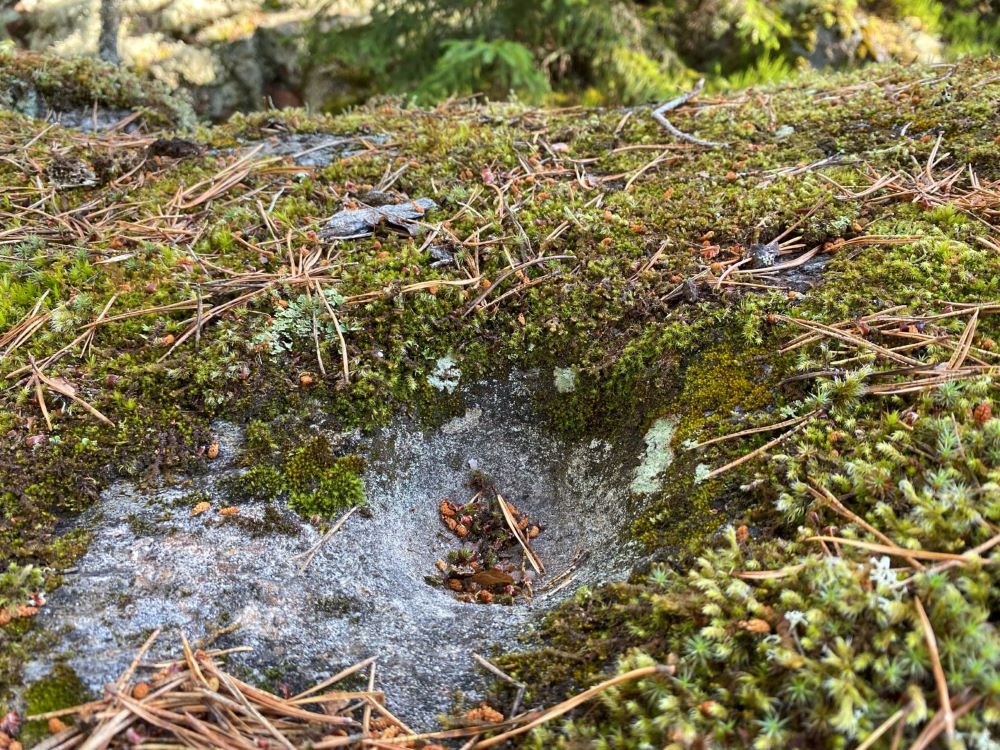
{"x":616,"y":245}
{"x":656,"y":458}
{"x":446,"y":374}
{"x":564,"y":379}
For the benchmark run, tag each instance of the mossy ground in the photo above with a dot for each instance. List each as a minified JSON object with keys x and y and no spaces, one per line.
{"x":36,"y":84}
{"x":515,"y":183}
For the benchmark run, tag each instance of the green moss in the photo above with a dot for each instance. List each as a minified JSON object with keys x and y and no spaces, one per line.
{"x":272,"y":522}
{"x":311,"y":477}
{"x":35,"y":83}
{"x":61,"y":688}
{"x":261,"y":482}
{"x":17,"y":583}
{"x":319,"y":484}
{"x":832,"y":642}
{"x":609,"y":312}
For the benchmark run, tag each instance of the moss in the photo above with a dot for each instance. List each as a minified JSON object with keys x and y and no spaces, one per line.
{"x":261,"y":482}
{"x":34,"y":84}
{"x":314,"y":480}
{"x":327,"y":489}
{"x":272,"y":522}
{"x":344,"y":607}
{"x":140,"y":526}
{"x":61,"y":688}
{"x":609,"y":312}
{"x":17,"y":584}
{"x":723,"y":387}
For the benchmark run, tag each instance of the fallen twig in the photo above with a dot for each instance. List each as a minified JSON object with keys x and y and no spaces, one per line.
{"x":659,"y":116}
{"x":311,"y":553}
{"x":521,"y":687}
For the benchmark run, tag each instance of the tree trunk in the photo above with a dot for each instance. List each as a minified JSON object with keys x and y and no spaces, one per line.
{"x":107,"y":43}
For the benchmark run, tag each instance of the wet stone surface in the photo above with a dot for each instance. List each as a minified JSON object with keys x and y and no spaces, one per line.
{"x":151,"y":563}
{"x":313,"y":149}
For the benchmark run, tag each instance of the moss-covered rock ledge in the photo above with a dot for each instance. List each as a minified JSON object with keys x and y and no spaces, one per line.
{"x":836,"y":588}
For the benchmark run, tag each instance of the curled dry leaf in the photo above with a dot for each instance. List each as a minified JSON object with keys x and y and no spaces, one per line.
{"x":492,"y":577}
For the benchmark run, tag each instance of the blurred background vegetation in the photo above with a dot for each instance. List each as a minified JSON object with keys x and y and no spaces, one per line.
{"x":246,"y":54}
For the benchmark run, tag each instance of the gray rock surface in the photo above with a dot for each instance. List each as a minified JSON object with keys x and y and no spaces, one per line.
{"x":230,"y":54}
{"x":152,"y":564}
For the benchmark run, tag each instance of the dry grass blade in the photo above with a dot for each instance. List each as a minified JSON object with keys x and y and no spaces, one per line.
{"x":229,"y":177}
{"x":185,"y":708}
{"x":127,"y":674}
{"x":24,"y":328}
{"x":64,"y":389}
{"x":964,"y":342}
{"x":939,"y":678}
{"x":309,"y":555}
{"x":754,"y":453}
{"x":887,"y":549}
{"x":831,"y":332}
{"x":568,"y":705}
{"x":366,"y":716}
{"x":754,"y":430}
{"x":493,"y":668}
{"x":824,"y":495}
{"x":528,"y":552}
{"x":509,"y":272}
{"x":937,"y":725}
{"x":333,"y":680}
{"x":884,"y":727}
{"x":808,"y":338}
{"x":340,"y":333}
{"x":769,"y":575}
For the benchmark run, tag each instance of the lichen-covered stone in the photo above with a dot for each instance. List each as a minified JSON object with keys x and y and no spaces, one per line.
{"x":612,"y":218}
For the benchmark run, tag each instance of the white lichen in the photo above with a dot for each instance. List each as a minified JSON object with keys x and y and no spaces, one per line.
{"x":565,"y":379}
{"x":656,"y":458}
{"x":701,"y":472}
{"x":446,"y":375}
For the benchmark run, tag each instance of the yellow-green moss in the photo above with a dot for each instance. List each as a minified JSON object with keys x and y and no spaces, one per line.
{"x":607,"y":311}
{"x":61,"y":688}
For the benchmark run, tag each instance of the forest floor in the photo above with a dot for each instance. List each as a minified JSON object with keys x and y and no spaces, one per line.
{"x":788,"y":341}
